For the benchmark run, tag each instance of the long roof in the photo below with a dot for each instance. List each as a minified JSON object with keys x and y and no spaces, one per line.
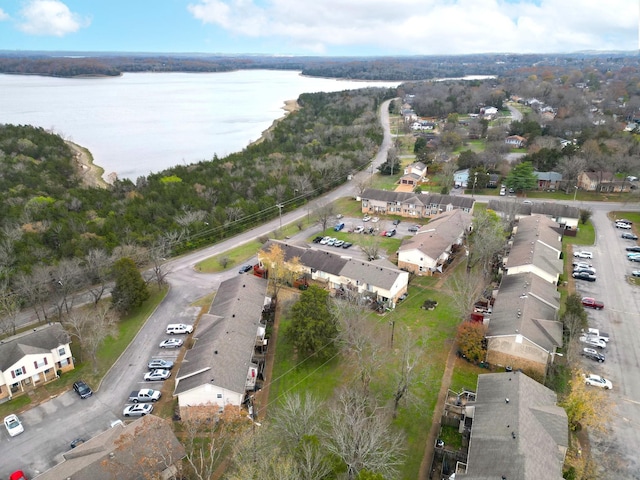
{"x":552,"y":209}
{"x":442,"y":231}
{"x":225,"y":337}
{"x":536,"y":243}
{"x":340,"y":265}
{"x":527,"y":305}
{"x":425,"y":199}
{"x":38,"y":340}
{"x":522,"y":439}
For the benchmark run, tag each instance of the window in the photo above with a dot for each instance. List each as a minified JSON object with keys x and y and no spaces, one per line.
{"x":40,"y":363}
{"x":18,"y":371}
{"x":61,"y":351}
{"x":219,"y":395}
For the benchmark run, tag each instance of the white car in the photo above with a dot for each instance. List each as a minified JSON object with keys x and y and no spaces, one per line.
{"x":598,"y":381}
{"x":366,"y":218}
{"x":593,"y":341}
{"x":325,"y":240}
{"x":581,"y":265}
{"x":13,"y":425}
{"x":137,"y":410}
{"x":358,"y":229}
{"x":171,"y":343}
{"x":624,"y":226}
{"x":375,"y":219}
{"x":583,"y":254}
{"x":157,"y":375}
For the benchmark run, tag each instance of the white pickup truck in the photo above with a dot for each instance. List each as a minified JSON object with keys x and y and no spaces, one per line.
{"x":145,"y":395}
{"x":594,"y":332}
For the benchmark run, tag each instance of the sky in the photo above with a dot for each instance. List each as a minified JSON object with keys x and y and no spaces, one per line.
{"x":321,"y":27}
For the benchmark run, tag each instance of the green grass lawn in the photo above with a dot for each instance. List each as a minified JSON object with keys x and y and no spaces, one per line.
{"x":432,"y":331}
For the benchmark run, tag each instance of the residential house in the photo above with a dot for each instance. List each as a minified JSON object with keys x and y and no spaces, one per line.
{"x":414,"y":174}
{"x":518,"y":430}
{"x":432,"y":246}
{"x":564,"y":215}
{"x":523,"y":330}
{"x":339,"y":273}
{"x":515,"y":141}
{"x":535,"y":247}
{"x":412,"y":205}
{"x":33,"y":358}
{"x":145,"y":448}
{"x":548,"y":180}
{"x":221,"y":367}
{"x":461,"y":178}
{"x":602,"y":182}
{"x":489,"y":112}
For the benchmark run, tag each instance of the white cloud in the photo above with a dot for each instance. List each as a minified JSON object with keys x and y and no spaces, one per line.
{"x":430,"y":26}
{"x":50,"y":17}
{"x":3,"y":15}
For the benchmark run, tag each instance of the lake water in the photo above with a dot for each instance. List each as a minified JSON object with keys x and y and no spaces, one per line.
{"x":145,"y":122}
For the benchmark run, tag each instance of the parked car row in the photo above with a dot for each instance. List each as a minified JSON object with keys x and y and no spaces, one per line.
{"x":332,"y":242}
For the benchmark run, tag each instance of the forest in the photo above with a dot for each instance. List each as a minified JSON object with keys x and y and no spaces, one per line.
{"x":52,"y":225}
{"x":409,"y":68}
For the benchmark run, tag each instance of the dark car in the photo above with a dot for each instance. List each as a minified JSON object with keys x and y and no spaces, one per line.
{"x":77,"y":442}
{"x":584,"y":276}
{"x":635,"y":248}
{"x":630,"y":236}
{"x":245,"y":268}
{"x":396,"y":222}
{"x":82,"y":389}
{"x":391,"y":233}
{"x":317,"y":239}
{"x":593,"y":354}
{"x":590,"y":271}
{"x":346,"y":244}
{"x":414,"y":228}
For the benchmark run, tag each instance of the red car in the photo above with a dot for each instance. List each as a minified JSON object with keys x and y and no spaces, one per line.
{"x":592,"y":303}
{"x":18,"y":475}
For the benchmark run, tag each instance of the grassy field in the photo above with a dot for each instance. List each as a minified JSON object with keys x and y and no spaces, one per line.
{"x":432,"y":333}
{"x":108,"y":353}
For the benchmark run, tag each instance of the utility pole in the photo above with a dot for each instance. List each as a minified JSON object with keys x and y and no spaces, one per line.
{"x":280,"y":205}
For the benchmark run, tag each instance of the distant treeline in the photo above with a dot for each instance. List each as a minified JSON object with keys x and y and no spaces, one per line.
{"x":358,"y":68}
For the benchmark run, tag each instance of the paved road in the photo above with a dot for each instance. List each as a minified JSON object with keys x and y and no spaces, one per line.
{"x":50,"y":427}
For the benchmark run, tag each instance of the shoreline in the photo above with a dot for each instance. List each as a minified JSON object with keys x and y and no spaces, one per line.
{"x":89,"y":172}
{"x":290,"y":106}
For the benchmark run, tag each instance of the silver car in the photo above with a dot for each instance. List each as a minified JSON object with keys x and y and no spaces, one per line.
{"x":157,"y":375}
{"x":160,"y":363}
{"x":137,"y":410}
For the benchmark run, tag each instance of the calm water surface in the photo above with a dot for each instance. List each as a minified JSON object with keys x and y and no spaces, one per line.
{"x":145,"y":122}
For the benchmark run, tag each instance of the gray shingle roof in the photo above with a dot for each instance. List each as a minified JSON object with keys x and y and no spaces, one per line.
{"x":551,"y":209}
{"x":39,"y":340}
{"x":527,"y":305}
{"x":442,"y":231}
{"x":524,"y":439}
{"x":225,"y":338}
{"x":536,"y":243}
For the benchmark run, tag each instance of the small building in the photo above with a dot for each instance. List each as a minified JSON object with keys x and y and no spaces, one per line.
{"x":33,"y":358}
{"x":602,"y":182}
{"x":548,"y":180}
{"x":461,"y":178}
{"x":518,"y":431}
{"x":433,"y":245}
{"x":515,"y":141}
{"x":412,"y":205}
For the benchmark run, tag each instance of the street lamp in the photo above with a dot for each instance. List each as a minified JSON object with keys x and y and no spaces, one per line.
{"x":280,"y":205}
{"x":575,"y":193}
{"x":475,"y":180}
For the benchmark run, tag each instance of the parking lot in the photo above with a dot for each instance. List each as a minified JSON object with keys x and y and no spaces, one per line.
{"x":621,"y":319}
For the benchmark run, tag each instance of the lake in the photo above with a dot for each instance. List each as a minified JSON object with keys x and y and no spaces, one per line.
{"x":141,"y":123}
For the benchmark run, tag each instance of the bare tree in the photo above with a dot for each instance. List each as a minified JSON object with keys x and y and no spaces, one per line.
{"x":570,"y":168}
{"x":97,"y":264}
{"x":91,"y":326}
{"x":405,"y":375}
{"x":465,"y":289}
{"x":486,"y":240}
{"x":361,"y":436}
{"x":9,"y":308}
{"x":139,"y":255}
{"x":158,"y":254}
{"x":35,"y":289}
{"x":67,"y":277}
{"x":370,"y":245}
{"x":324,"y":213}
{"x":296,"y":418}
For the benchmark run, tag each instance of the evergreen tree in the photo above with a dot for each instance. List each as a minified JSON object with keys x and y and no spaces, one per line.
{"x":130,"y":290}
